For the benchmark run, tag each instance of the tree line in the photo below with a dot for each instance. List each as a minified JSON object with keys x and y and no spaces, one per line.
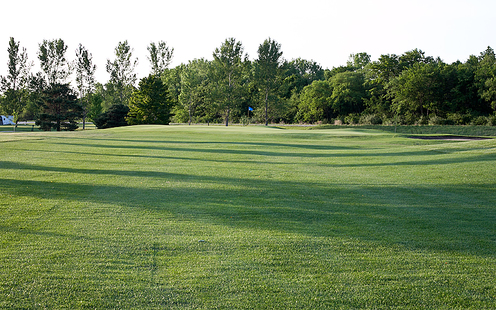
{"x":411,"y":88}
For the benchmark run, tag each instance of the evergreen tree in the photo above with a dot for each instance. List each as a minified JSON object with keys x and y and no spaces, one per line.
{"x":59,"y":108}
{"x":150,"y":103}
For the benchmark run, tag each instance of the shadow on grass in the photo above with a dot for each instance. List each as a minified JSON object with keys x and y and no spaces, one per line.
{"x":255,"y":155}
{"x":264,"y":152}
{"x":190,"y":148}
{"x":457,"y":219}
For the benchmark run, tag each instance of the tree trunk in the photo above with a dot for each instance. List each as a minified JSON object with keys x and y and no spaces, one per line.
{"x":189,"y":113}
{"x":266,"y":107}
{"x":227,"y":117}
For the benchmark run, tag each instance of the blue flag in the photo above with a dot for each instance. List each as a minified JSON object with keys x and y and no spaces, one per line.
{"x":250,"y":109}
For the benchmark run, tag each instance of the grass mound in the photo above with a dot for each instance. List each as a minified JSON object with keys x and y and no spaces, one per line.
{"x":191,"y":217}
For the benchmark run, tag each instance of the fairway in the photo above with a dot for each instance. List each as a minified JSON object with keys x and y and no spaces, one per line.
{"x":215,"y":217}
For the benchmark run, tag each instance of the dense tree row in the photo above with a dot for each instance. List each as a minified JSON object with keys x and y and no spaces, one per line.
{"x":411,"y":88}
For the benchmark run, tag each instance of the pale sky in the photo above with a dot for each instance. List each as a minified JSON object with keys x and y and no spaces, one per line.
{"x":324,"y":31}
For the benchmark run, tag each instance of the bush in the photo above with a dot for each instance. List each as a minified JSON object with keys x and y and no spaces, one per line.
{"x":352,"y":119}
{"x":436,"y":120}
{"x":245,"y":120}
{"x":480,"y":121}
{"x":181,"y":115}
{"x":423,"y":120}
{"x":114,"y":117}
{"x":491,"y":121}
{"x":458,"y":119}
{"x":370,"y":119}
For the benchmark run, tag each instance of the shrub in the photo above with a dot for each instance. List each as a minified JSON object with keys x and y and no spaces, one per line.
{"x":436,"y":120}
{"x":423,"y":120}
{"x":244,"y":120}
{"x":480,"y":121}
{"x":114,"y":117}
{"x":352,"y":119}
{"x":491,"y":121}
{"x":370,"y":119}
{"x":458,"y":119}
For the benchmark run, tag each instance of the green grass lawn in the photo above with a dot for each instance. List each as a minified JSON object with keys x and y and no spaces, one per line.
{"x":192,"y":217}
{"x":31,"y":127}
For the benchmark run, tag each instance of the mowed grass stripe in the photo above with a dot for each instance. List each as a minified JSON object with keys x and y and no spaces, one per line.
{"x":245,"y":218}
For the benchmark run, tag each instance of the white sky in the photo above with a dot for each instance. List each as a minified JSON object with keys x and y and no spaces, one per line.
{"x":326,"y":31}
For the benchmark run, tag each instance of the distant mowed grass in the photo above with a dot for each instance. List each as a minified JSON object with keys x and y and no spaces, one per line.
{"x":192,"y":217}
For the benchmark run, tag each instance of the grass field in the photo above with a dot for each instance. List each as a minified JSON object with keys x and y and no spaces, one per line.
{"x":178,"y":217}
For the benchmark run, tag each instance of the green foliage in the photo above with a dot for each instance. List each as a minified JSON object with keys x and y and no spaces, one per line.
{"x":59,"y":108}
{"x":407,"y":88}
{"x":115,"y":116}
{"x":436,"y":120}
{"x":150,"y":103}
{"x":85,"y":71}
{"x":267,"y":72}
{"x":358,"y":61}
{"x":370,"y":119}
{"x":15,"y":84}
{"x":352,"y":119}
{"x":18,"y":67}
{"x":348,"y":93}
{"x":160,"y":57}
{"x":315,"y":102}
{"x":299,"y":73}
{"x":15,"y":102}
{"x":56,"y":69}
{"x":228,"y":65}
{"x":386,"y":68}
{"x":195,"y":82}
{"x":85,"y":78}
{"x":122,"y":75}
{"x":416,"y":91}
{"x":95,"y":107}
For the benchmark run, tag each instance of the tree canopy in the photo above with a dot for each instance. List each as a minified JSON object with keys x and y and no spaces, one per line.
{"x":59,"y":108}
{"x":410,"y":88}
{"x":150,"y":103}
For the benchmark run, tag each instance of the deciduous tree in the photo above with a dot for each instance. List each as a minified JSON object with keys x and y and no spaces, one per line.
{"x":348,"y":93}
{"x":228,"y":67}
{"x":315,"y":102}
{"x":85,"y":78}
{"x":267,"y":71}
{"x":194,"y":86}
{"x":415,"y":91}
{"x":122,"y":75}
{"x":55,"y":67}
{"x":16,"y":82}
{"x":160,"y":57}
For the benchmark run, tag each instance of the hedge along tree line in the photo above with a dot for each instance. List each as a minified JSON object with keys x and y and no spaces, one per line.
{"x":408,"y":88}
